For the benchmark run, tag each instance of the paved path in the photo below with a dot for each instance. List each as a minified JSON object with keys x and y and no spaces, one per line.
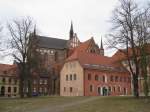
{"x":61,"y":108}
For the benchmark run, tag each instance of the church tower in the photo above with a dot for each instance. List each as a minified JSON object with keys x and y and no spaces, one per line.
{"x":73,"y":39}
{"x":101,"y":48}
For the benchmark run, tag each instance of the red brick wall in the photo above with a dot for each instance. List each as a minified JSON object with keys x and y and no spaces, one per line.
{"x":125,"y":83}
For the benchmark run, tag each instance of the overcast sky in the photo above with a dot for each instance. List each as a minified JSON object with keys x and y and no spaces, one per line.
{"x":53,"y":17}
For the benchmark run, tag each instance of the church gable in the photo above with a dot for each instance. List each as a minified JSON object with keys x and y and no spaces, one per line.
{"x":74,"y":41}
{"x":93,"y":47}
{"x":89,"y":46}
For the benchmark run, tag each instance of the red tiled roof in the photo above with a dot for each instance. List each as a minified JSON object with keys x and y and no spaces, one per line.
{"x":80,"y":53}
{"x":93,"y":59}
{"x":8,"y":70}
{"x":120,"y":55}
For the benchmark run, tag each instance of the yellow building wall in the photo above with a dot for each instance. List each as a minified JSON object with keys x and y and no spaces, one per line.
{"x":71,"y":68}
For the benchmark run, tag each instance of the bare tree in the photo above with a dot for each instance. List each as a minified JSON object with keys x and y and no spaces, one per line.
{"x":143,"y":34}
{"x":125,"y":37}
{"x":21,"y":31}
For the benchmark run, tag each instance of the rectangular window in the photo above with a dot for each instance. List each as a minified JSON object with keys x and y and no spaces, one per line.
{"x":114,"y":88}
{"x":111,"y":78}
{"x":15,"y":89}
{"x":9,"y":80}
{"x":70,"y":77}
{"x":96,"y":77}
{"x":119,"y":89}
{"x":75,"y":77}
{"x":66,"y":77}
{"x":70,"y":89}
{"x":89,"y":76}
{"x":116,"y":78}
{"x":3,"y":80}
{"x":91,"y":88}
{"x":109,"y":88}
{"x":64,"y":89}
{"x":104,"y":79}
{"x":9,"y":89}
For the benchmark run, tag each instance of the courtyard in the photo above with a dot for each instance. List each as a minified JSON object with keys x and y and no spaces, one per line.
{"x":75,"y":104}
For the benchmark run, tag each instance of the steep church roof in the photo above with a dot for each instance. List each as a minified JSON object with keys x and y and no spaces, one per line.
{"x":84,"y":46}
{"x":49,"y":42}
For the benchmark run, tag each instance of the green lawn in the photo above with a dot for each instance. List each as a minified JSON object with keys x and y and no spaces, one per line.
{"x":113,"y":104}
{"x":75,"y":104}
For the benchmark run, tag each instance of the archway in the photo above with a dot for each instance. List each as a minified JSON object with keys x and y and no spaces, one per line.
{"x":104,"y":91}
{"x":2,"y":91}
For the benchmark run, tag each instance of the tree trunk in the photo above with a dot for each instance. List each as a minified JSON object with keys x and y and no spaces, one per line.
{"x":135,"y":86}
{"x":29,"y":88}
{"x":21,"y":88}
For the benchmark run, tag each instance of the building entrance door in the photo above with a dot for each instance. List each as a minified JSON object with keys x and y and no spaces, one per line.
{"x":105,"y":91}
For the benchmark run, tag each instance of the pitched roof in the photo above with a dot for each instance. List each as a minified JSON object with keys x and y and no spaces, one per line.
{"x":90,"y":58}
{"x":49,"y":42}
{"x":84,"y":46}
{"x":121,"y":55}
{"x":95,"y":61}
{"x":7,"y":70}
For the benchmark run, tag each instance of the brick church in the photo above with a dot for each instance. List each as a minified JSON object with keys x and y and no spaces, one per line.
{"x":88,"y":72}
{"x":55,"y":51}
{"x":72,"y":68}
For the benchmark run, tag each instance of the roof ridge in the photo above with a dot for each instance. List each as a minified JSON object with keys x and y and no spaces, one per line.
{"x":51,"y":37}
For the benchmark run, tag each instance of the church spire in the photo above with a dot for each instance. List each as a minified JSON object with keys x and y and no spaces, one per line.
{"x":101,"y":43}
{"x":71,"y":31}
{"x":101,"y":48}
{"x":34,"y":32}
